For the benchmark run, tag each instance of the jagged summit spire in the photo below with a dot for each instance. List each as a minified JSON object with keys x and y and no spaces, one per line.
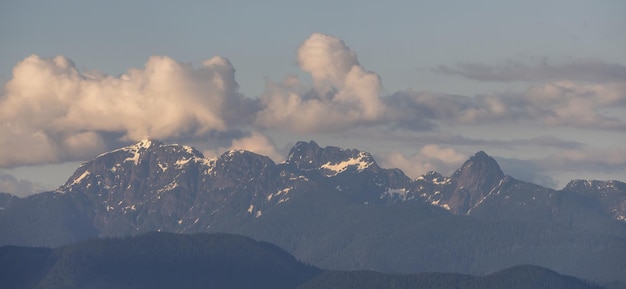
{"x":473,"y":181}
{"x":303,"y":146}
{"x":481,"y":164}
{"x":481,"y":154}
{"x":303,"y":152}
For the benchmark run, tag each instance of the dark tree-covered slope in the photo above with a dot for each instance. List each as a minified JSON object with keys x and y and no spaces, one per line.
{"x":519,"y":277}
{"x":167,"y":260}
{"x":154,"y":260}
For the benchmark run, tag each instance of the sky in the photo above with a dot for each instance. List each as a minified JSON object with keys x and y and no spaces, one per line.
{"x":422,"y":85}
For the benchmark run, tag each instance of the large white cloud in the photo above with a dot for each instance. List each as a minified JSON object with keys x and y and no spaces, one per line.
{"x":344,"y":94}
{"x":50,"y":111}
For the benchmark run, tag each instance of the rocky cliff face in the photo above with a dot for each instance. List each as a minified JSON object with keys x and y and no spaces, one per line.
{"x":474,"y":181}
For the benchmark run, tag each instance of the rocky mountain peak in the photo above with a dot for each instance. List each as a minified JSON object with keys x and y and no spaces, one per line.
{"x":589,"y":185}
{"x":244,"y":163}
{"x":304,"y":155}
{"x":479,"y":168}
{"x":473,"y":181}
{"x":144,"y":161}
{"x":432,"y":176}
{"x":330,"y":160}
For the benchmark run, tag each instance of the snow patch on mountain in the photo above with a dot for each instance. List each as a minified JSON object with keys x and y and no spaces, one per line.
{"x":134,"y":158}
{"x":361,"y":162}
{"x":280,"y":193}
{"x":400,"y":194}
{"x":85,"y":174}
{"x":136,"y":150}
{"x":182,"y":162}
{"x":188,"y":149}
{"x":494,"y":191}
{"x":441,"y":181}
{"x":169,"y":187}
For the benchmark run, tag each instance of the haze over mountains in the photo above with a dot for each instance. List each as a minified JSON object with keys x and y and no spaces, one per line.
{"x":337,"y":209}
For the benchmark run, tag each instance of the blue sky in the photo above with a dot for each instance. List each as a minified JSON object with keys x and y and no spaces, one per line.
{"x":540,"y":85}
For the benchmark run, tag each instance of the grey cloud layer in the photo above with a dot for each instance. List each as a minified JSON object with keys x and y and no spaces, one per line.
{"x":580,"y":70}
{"x":19,"y":187}
{"x":563,"y":103}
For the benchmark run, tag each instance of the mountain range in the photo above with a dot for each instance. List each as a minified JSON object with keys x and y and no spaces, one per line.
{"x":336,"y":208}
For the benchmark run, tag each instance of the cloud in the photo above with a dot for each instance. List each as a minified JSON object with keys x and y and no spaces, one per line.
{"x":255,"y":142}
{"x":343,"y":95}
{"x":581,"y":71}
{"x":563,"y":103}
{"x":419,"y":110}
{"x":50,"y":111}
{"x":461,"y":140}
{"x":589,"y":159}
{"x":572,"y":104}
{"x":586,"y":162}
{"x":259,"y":144}
{"x":430,"y":157}
{"x":581,"y":94}
{"x":527,"y":170}
{"x":19,"y":187}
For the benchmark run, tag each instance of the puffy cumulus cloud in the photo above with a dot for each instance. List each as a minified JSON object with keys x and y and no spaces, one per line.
{"x":50,"y":111}
{"x":344,"y":94}
{"x":259,"y":144}
{"x":327,"y":59}
{"x":430,"y":157}
{"x":19,"y":187}
{"x":254,"y":142}
{"x":566,"y":103}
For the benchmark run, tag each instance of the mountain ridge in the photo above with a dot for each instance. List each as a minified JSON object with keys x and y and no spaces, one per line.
{"x":335,"y":208}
